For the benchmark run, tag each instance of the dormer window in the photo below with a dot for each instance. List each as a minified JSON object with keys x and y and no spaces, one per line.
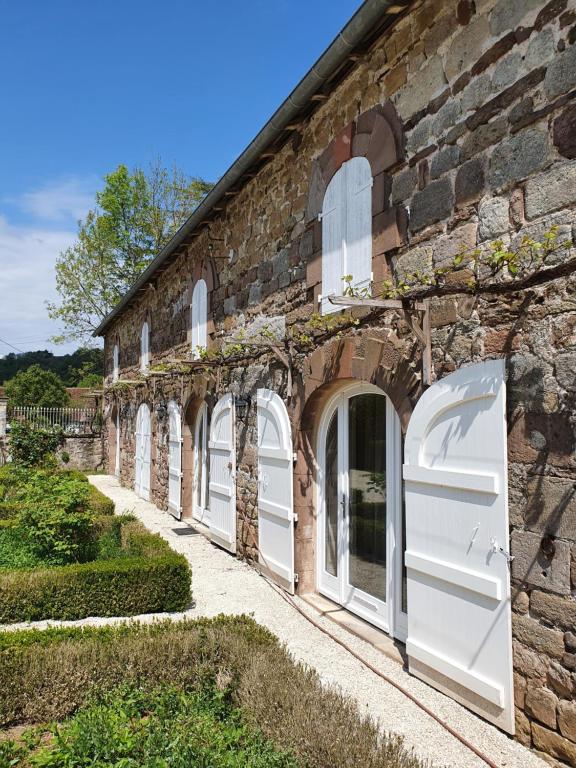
{"x":115,"y":363}
{"x":347,"y":231}
{"x":199,"y":318}
{"x":145,"y":347}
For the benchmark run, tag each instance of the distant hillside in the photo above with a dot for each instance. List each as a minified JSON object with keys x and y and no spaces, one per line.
{"x":72,"y":369}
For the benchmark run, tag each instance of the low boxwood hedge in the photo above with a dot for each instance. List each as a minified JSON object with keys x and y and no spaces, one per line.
{"x":148,"y":577}
{"x":47,"y":676}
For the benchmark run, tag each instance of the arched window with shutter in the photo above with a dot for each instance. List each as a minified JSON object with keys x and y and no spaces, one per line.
{"x":347,"y":231}
{"x":199,"y":317}
{"x":145,"y":347}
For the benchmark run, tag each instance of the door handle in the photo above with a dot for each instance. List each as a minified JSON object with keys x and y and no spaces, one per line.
{"x":343,"y":503}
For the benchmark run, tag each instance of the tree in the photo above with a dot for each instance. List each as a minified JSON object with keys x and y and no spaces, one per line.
{"x":72,"y":368}
{"x":35,"y":386}
{"x":136,"y":214}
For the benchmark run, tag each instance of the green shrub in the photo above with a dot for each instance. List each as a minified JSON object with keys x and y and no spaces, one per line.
{"x":165,"y":727}
{"x":145,"y":577}
{"x":49,"y":675}
{"x":54,"y":515}
{"x":98,"y":503}
{"x":29,"y":446}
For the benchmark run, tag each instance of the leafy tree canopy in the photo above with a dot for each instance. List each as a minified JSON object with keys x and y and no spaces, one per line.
{"x":136,"y":214}
{"x":35,"y":386}
{"x":73,"y":369}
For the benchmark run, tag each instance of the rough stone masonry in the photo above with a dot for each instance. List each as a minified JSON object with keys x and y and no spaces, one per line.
{"x":466,"y":113}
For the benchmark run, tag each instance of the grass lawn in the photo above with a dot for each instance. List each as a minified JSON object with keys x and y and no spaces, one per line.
{"x":211,"y":692}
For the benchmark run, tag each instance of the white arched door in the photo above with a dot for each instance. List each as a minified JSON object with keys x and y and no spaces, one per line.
{"x":200,"y":510}
{"x":359,"y":528}
{"x":275,"y":504}
{"x":143,"y":452}
{"x":459,"y":618}
{"x":222,"y":485}
{"x":174,"y":460}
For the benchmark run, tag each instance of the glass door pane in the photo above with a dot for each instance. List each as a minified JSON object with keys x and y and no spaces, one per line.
{"x":331,"y":493}
{"x":367,"y":494}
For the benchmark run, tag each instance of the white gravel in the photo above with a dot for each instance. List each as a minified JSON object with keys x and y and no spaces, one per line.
{"x":223,"y":584}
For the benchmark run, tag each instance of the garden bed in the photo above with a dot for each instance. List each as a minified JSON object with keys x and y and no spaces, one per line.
{"x":64,"y":555}
{"x":229,"y":674}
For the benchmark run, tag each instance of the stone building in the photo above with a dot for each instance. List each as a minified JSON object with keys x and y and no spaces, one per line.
{"x":392,"y":457}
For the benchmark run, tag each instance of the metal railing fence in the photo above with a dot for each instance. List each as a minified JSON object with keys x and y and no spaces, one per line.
{"x":72,"y":421}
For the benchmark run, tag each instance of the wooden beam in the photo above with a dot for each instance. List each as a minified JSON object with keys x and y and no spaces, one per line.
{"x":353,"y":301}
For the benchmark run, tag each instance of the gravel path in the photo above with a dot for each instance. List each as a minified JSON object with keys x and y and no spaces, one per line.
{"x":223,"y":584}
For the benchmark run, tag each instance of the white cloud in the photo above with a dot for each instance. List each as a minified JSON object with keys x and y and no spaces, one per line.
{"x":68,"y":198}
{"x":27,"y":280}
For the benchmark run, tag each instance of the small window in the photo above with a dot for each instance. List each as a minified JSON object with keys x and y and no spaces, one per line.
{"x":145,"y":347}
{"x":347,"y":231}
{"x":115,"y":363}
{"x":199,"y":318}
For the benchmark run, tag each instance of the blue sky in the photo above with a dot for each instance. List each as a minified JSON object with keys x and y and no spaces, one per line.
{"x":86,"y":86}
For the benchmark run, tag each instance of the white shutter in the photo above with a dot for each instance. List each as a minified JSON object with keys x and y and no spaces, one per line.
{"x":146,"y":453}
{"x":115,"y":363}
{"x":138,"y":453}
{"x":222,"y":485}
{"x":144,"y":347}
{"x":174,"y":460}
{"x":358,"y":236}
{"x":117,"y":451}
{"x":143,"y":452}
{"x":333,"y":222}
{"x":275,"y":492}
{"x":459,"y":618}
{"x":199,"y":317}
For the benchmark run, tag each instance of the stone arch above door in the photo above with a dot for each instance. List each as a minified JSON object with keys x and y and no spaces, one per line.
{"x":378,"y":357}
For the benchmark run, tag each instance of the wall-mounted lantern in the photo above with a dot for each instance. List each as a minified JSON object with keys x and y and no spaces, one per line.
{"x":242,"y":405}
{"x":161,"y":411}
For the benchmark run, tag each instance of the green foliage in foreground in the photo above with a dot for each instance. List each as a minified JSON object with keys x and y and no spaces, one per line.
{"x":49,"y":676}
{"x":167,"y":727}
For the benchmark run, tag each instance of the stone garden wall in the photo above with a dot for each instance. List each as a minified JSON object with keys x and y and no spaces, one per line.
{"x":466,"y":112}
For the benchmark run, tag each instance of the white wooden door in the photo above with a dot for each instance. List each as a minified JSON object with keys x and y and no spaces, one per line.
{"x":143,"y":452}
{"x":275,"y":492}
{"x":459,"y":619}
{"x":174,"y":460}
{"x":117,"y":445}
{"x":222,"y":485}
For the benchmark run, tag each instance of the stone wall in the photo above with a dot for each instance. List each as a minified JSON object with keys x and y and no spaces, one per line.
{"x":85,"y":452}
{"x":477,"y":141}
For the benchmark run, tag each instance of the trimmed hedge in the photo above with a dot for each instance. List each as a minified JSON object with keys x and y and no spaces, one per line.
{"x":99,"y":504}
{"x":47,"y":676}
{"x":148,"y":578}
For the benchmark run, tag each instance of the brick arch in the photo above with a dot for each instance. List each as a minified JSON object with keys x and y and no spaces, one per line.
{"x":377,"y":135}
{"x":377,"y":357}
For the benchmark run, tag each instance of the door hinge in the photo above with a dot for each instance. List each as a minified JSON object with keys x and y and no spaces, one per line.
{"x":295,"y":578}
{"x":294,"y":517}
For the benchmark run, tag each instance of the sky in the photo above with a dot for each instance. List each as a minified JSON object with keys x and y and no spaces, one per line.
{"x":87,"y":86}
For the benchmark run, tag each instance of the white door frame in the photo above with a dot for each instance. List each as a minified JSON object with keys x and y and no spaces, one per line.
{"x":388,"y":615}
{"x":117,"y":445}
{"x":200,"y":509}
{"x":175,"y":504}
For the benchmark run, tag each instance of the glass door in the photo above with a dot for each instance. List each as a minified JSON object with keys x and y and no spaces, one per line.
{"x":201,"y":467}
{"x":360,"y":522}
